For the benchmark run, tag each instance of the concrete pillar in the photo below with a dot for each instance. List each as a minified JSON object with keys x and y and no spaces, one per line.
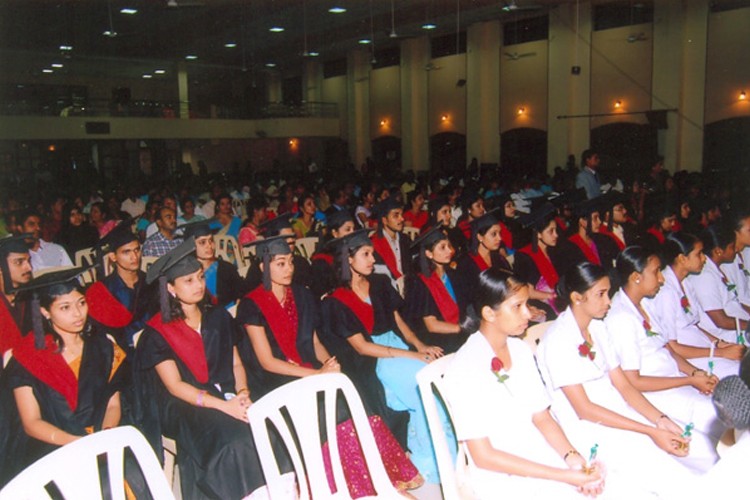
{"x":182,"y":90}
{"x":483,"y":92}
{"x":358,"y":97}
{"x":273,"y":86}
{"x":415,"y":139}
{"x":312,"y":81}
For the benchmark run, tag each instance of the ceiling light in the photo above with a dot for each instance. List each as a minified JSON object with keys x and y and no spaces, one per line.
{"x":365,"y":41}
{"x":313,"y":54}
{"x":230,"y":45}
{"x":337,"y":10}
{"x":56,"y":65}
{"x":66,"y":47}
{"x":270,"y":65}
{"x":47,"y":70}
{"x":148,"y":76}
{"x":129,"y":11}
{"x":429,"y":26}
{"x":159,"y":71}
{"x":276,"y":29}
{"x":191,"y":57}
{"x":110,"y":34}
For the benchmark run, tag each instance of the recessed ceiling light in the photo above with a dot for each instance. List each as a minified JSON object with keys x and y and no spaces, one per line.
{"x":276,"y":29}
{"x":147,"y":76}
{"x":110,"y":34}
{"x":159,"y":71}
{"x":270,"y":65}
{"x":56,"y":65}
{"x":337,"y":10}
{"x":47,"y":70}
{"x":66,"y":47}
{"x":191,"y":57}
{"x":313,"y":54}
{"x":429,"y":26}
{"x":365,"y":41}
{"x":230,"y":45}
{"x":129,"y":11}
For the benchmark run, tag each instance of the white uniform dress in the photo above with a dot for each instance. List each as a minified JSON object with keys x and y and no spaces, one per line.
{"x":484,"y":407}
{"x":680,"y":323}
{"x":736,"y":273}
{"x":632,"y":459}
{"x":714,"y":292}
{"x":647,"y":353}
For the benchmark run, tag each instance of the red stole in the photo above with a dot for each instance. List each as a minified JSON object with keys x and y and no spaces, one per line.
{"x":506,"y":236}
{"x":105,"y":308}
{"x":479,"y":261}
{"x":465,"y":227}
{"x":383,"y":248}
{"x":186,"y":343}
{"x":448,"y":308}
{"x":657,"y":234}
{"x":561,"y":224}
{"x":325,"y":257}
{"x":10,"y":335}
{"x":49,"y":366}
{"x":284,"y":330}
{"x":606,"y":231}
{"x":588,"y":252}
{"x":543,"y":264}
{"x":361,"y":309}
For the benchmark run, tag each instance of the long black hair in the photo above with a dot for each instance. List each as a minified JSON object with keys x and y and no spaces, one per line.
{"x":717,"y":236}
{"x":579,"y":278}
{"x":495,"y":287}
{"x":633,"y":259}
{"x":678,"y":244}
{"x":48,"y":297}
{"x":341,"y":259}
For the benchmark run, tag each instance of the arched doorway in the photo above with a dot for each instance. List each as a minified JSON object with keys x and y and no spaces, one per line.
{"x":625,"y":149}
{"x":386,"y":154}
{"x":523,"y":151}
{"x":447,"y":152}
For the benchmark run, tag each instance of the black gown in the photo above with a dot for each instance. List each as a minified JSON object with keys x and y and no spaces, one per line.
{"x":421,"y":303}
{"x":526,"y":269}
{"x":261,"y":381}
{"x":215,"y":452}
{"x":229,"y":285}
{"x":468,"y":271}
{"x":323,"y":274}
{"x":340,"y":323}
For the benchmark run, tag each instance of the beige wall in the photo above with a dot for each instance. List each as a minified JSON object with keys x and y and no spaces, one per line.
{"x":523,"y":84}
{"x":385,"y":102}
{"x":334,"y":90}
{"x":445,"y":98}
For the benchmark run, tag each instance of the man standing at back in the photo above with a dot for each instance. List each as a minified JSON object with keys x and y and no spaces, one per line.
{"x":588,"y":177}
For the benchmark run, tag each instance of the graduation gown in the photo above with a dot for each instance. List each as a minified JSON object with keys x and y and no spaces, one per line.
{"x":526,"y":268}
{"x":215,"y":452}
{"x":384,"y":254}
{"x":469,"y":265}
{"x":323,"y":274}
{"x":253,"y":312}
{"x":228,"y":285}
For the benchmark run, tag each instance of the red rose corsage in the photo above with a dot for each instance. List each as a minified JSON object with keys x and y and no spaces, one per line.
{"x":585,"y":351}
{"x":685,"y":303}
{"x":496,"y":367}
{"x":649,"y":331}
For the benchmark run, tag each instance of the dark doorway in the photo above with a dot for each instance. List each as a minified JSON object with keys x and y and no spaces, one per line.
{"x":386,"y":154}
{"x":625,"y":149}
{"x":447,"y":153}
{"x":726,"y":147}
{"x":523,"y":152}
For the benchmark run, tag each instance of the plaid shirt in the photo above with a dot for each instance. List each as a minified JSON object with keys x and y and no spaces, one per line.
{"x":157,"y":245}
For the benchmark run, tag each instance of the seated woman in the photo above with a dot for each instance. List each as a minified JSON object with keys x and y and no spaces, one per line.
{"x":75,"y":234}
{"x":192,"y":384}
{"x":62,"y":381}
{"x":224,"y":220}
{"x":501,"y":410}
{"x":100,"y":219}
{"x":664,"y":377}
{"x":274,"y":227}
{"x":736,"y":271}
{"x":256,"y":215}
{"x":593,"y":399}
{"x":483,"y":250}
{"x":580,"y":246}
{"x":304,"y":224}
{"x":414,"y":215}
{"x":435,"y":299}
{"x":722,"y":314}
{"x":374,"y":345}
{"x":338,"y":224}
{"x":676,"y":309}
{"x":663,"y":218}
{"x":472,"y":207}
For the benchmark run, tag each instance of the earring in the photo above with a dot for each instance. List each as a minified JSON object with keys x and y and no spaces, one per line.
{"x":578,"y":302}
{"x":637,"y":282}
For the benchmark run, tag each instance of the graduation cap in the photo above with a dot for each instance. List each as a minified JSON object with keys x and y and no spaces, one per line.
{"x":197,"y":229}
{"x":480,"y":224}
{"x":338,"y":219}
{"x":274,"y":226}
{"x":9,"y":245}
{"x":52,"y":283}
{"x":571,"y":197}
{"x":178,"y":262}
{"x":426,"y":241}
{"x":120,"y":235}
{"x":536,"y":219}
{"x":585,"y":208}
{"x":266,"y":249}
{"x":382,"y":208}
{"x":342,"y":246}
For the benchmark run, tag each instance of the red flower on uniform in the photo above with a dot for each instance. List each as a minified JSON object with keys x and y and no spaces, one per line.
{"x":497,"y":366}
{"x":649,"y":331}
{"x":584,"y":350}
{"x":685,"y":303}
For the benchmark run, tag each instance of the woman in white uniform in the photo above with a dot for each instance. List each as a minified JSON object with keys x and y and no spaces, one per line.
{"x":667,"y":379}
{"x":721,"y":310}
{"x":501,"y":410}
{"x":676,"y":309}
{"x":738,"y":271}
{"x":594,"y":401}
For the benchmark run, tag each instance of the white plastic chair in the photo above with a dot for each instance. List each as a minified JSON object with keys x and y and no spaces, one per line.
{"x":412,"y":232}
{"x":228,"y":249}
{"x":238,"y":207}
{"x":533,"y":334}
{"x":300,"y":399}
{"x":74,"y":469}
{"x":306,"y":246}
{"x":85,"y":256}
{"x":430,"y":381}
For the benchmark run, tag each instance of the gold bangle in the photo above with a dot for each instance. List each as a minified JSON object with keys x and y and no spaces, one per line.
{"x":569,"y":453}
{"x":244,"y":389}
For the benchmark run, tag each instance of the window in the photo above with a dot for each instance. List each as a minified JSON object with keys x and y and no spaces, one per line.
{"x":334,"y":68}
{"x":526,"y":30}
{"x":616,"y":14}
{"x":446,"y":45}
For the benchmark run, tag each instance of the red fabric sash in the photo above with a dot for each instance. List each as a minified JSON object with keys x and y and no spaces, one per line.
{"x":607,"y":232}
{"x":361,"y":309}
{"x":543,"y":264}
{"x":326,"y":257}
{"x":506,"y":236}
{"x":10,"y":335}
{"x":657,"y":234}
{"x":105,"y":308}
{"x":284,"y":330}
{"x":383,"y":248}
{"x":465,"y":227}
{"x":561,"y":224}
{"x":448,"y":308}
{"x":48,"y":366}
{"x":186,"y":343}
{"x":479,"y":261}
{"x":590,"y":255}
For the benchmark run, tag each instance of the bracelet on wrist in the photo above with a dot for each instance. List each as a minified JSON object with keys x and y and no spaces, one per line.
{"x":660,"y":417}
{"x":569,"y":453}
{"x":244,"y":389}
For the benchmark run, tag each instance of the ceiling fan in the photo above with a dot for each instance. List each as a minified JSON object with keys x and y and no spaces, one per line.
{"x":637,"y":37}
{"x":512,"y":6}
{"x":515,"y":56}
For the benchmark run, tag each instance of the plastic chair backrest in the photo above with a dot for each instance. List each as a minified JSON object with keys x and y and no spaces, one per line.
{"x":84,"y":256}
{"x":238,"y":206}
{"x":301,"y":435}
{"x":533,"y":334}
{"x":412,"y":232}
{"x":430,"y":381}
{"x":74,"y":469}
{"x":306,"y":246}
{"x":146,"y":262}
{"x":228,"y":249}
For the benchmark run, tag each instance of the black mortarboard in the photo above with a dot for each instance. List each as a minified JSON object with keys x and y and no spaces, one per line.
{"x":9,"y":245}
{"x":274,"y":226}
{"x":424,"y":242}
{"x":338,"y":219}
{"x":122,"y":234}
{"x":482,"y":223}
{"x":568,"y":198}
{"x":266,"y":249}
{"x":537,"y":216}
{"x":197,"y":229}
{"x":176,"y":263}
{"x":587,"y":207}
{"x":382,"y":208}
{"x":342,"y":246}
{"x":48,"y":283}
